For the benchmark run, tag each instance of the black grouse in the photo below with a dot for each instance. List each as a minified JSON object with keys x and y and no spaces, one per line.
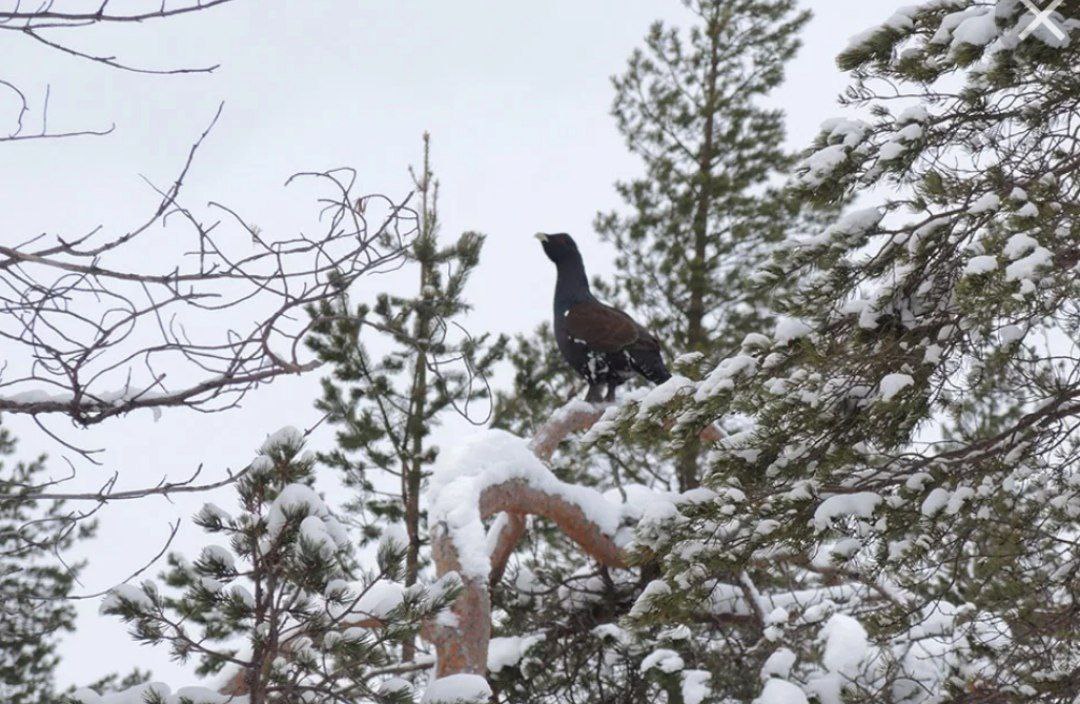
{"x":601,"y":343}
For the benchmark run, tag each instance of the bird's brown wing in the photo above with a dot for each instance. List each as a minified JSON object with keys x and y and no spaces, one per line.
{"x":602,"y":328}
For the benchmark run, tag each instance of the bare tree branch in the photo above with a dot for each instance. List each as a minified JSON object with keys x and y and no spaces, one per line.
{"x":106,"y":493}
{"x":47,"y":16}
{"x":50,"y":17}
{"x":99,"y":339}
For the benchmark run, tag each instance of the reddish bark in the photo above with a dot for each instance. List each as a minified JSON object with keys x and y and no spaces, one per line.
{"x":510,"y":534}
{"x":463,"y":646}
{"x":573,"y":417}
{"x":460,"y":646}
{"x":516,"y":496}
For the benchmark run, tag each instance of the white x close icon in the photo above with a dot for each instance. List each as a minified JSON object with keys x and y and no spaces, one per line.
{"x":1042,"y":17}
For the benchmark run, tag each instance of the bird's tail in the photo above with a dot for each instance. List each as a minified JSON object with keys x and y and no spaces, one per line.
{"x":650,"y":365}
{"x":658,"y":375}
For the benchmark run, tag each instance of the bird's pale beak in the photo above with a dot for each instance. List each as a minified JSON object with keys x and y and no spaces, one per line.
{"x":541,"y":236}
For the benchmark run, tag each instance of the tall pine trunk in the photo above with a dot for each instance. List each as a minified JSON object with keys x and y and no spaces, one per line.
{"x":696,"y":338}
{"x":386,"y":406}
{"x":412,"y":468}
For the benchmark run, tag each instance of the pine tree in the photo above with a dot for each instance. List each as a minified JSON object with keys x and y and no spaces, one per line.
{"x":33,"y":585}
{"x":278,"y":606}
{"x":384,"y":408}
{"x":906,"y":482}
{"x":702,"y":215}
{"x":696,"y":228}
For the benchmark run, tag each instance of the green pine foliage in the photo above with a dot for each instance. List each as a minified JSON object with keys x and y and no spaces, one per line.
{"x":34,"y":585}
{"x":702,"y":217}
{"x":905,"y":483}
{"x":542,"y":382}
{"x":277,"y":602}
{"x":384,"y":406}
{"x":698,"y":219}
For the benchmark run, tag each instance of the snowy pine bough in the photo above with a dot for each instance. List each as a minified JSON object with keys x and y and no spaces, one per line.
{"x":900,"y":484}
{"x":276,"y":608}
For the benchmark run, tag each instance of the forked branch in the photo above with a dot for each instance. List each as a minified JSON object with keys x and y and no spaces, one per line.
{"x":463,"y":647}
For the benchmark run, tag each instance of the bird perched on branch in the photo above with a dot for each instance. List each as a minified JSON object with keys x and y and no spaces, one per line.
{"x":601,"y":343}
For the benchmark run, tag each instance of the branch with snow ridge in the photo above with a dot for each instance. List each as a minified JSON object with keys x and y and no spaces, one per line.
{"x":496,"y":472}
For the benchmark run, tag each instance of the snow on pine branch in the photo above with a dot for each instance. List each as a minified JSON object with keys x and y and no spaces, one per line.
{"x":492,"y":458}
{"x":280,"y":564}
{"x":916,"y":408}
{"x":494,"y":471}
{"x":487,"y":459}
{"x":156,"y":692}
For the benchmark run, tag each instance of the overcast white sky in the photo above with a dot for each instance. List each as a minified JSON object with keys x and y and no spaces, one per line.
{"x":516,"y":96}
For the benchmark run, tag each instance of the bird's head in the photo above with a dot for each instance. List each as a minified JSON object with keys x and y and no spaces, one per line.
{"x":559,"y":247}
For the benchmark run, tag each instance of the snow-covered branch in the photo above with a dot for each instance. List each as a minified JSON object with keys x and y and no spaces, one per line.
{"x":498,"y":473}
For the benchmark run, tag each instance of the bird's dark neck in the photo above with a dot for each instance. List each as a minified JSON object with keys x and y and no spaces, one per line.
{"x":571,"y":284}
